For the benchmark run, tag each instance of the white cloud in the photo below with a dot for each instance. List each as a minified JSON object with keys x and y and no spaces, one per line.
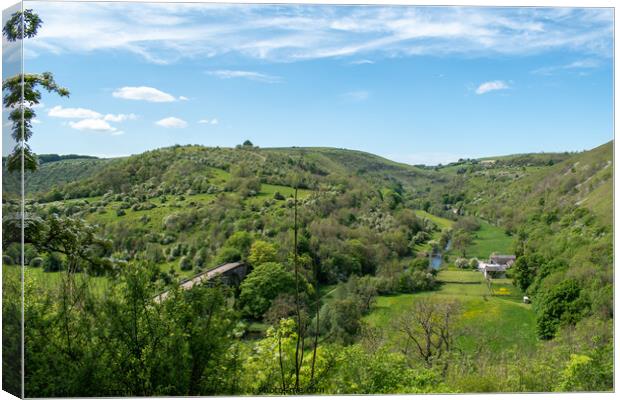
{"x":144,"y":93}
{"x":172,"y":122}
{"x":251,"y":75}
{"x":74,"y":113}
{"x":119,"y":117}
{"x":587,"y":63}
{"x":91,"y":124}
{"x":491,"y":86}
{"x":356,"y":95}
{"x":36,"y":121}
{"x":167,"y":33}
{"x":183,"y":98}
{"x":213,"y":121}
{"x":361,"y":62}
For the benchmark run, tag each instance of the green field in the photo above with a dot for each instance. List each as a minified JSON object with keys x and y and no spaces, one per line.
{"x":489,"y":239}
{"x":442,"y":223}
{"x":502,"y":322}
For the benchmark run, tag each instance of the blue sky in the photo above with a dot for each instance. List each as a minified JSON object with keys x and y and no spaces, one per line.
{"x":417,"y":85}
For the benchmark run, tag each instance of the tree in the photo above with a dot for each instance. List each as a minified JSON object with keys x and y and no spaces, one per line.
{"x":461,"y":240}
{"x":262,"y":286}
{"x":247,"y":143}
{"x":185,"y":264}
{"x":559,"y":305}
{"x":241,"y":241}
{"x":262,"y":252}
{"x":227,"y":255}
{"x":430,"y":324}
{"x":342,"y":320}
{"x":524,"y":270}
{"x":72,"y":237}
{"x":364,"y":289}
{"x":21,"y":93}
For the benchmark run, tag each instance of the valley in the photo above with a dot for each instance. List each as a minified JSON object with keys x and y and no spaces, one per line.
{"x":338,"y":245}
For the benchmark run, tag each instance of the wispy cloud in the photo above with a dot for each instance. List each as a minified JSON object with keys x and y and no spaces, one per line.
{"x":119,"y":117}
{"x":144,"y":93}
{"x":251,"y":75}
{"x":487,"y":87}
{"x":361,"y":62}
{"x":172,"y":122}
{"x":356,"y":95}
{"x":167,"y":33}
{"x":212,"y":121}
{"x":587,"y":63}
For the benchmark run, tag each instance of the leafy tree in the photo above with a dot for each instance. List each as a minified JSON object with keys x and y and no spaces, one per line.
{"x":461,"y":239}
{"x":379,"y":372}
{"x":581,"y":374}
{"x":52,"y":262}
{"x":241,"y":241}
{"x":228,"y":255}
{"x":262,"y":252}
{"x":185,"y":264}
{"x":262,"y":286}
{"x":341,"y":320}
{"x":559,"y":305}
{"x":21,"y":93}
{"x":364,"y":289}
{"x":72,"y":237}
{"x":524,"y":270}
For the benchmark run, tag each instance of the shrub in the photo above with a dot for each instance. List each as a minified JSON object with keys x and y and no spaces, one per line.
{"x":227,"y":255}
{"x":185,"y":264}
{"x":36,"y":262}
{"x":52,"y":262}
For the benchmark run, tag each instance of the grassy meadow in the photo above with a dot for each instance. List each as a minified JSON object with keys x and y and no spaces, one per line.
{"x":499,"y":320}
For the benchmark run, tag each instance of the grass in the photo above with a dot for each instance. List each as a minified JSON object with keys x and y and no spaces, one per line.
{"x":442,"y":223}
{"x":489,"y":239}
{"x":50,"y":280}
{"x":493,"y":321}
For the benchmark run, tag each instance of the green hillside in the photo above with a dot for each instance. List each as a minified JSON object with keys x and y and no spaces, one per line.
{"x":130,"y":228}
{"x":53,"y":173}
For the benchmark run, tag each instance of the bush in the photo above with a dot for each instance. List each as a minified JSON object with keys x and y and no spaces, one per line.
{"x":461,"y":262}
{"x":36,"y":262}
{"x":120,"y":212}
{"x":560,"y":305}
{"x":262,"y":252}
{"x":52,"y":262}
{"x":185,"y":264}
{"x":227,"y":255}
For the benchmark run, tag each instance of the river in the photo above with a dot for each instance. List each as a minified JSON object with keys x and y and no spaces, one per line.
{"x":437,"y":258}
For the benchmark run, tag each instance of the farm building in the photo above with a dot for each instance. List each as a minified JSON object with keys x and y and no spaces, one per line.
{"x":498,"y":264}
